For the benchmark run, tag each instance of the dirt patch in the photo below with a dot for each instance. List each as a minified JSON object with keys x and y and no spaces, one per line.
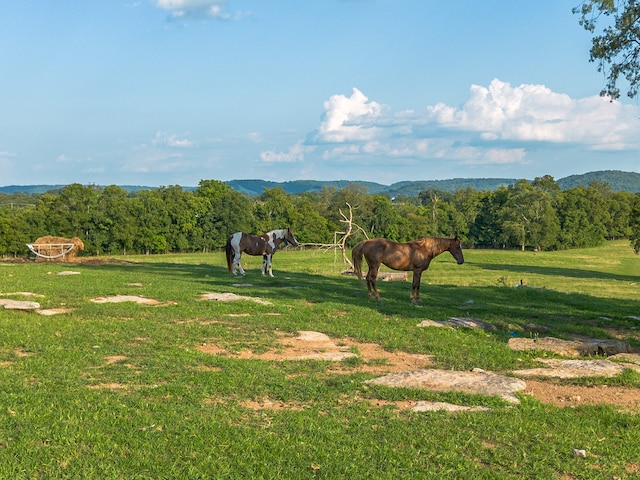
{"x":54,"y":311}
{"x":576,"y":395}
{"x":131,"y":298}
{"x":313,"y":345}
{"x":377,"y":361}
{"x":232,"y":297}
{"x":103,"y":261}
{"x":108,"y":386}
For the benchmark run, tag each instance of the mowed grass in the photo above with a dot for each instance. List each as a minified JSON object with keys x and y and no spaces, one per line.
{"x":121,"y":390}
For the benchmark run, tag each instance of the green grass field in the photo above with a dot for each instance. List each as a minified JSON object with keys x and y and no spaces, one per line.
{"x":122,"y":390}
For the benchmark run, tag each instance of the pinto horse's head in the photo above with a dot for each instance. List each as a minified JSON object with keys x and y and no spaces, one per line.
{"x":282,"y":236}
{"x":289,"y":238}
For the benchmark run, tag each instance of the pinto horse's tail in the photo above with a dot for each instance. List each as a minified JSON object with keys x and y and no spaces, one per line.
{"x":356,"y":256}
{"x":230,"y":253}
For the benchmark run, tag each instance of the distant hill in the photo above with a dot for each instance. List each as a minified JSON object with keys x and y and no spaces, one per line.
{"x":30,"y":189}
{"x":256,"y":187}
{"x":617,"y":180}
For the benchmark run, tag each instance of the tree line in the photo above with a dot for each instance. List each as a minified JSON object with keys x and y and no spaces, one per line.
{"x":535,"y":215}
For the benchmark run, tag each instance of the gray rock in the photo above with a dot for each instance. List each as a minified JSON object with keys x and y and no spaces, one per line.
{"x":480,"y":382}
{"x":571,"y":348}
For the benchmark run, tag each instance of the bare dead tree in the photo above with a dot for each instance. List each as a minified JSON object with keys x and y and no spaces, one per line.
{"x":348,"y":221}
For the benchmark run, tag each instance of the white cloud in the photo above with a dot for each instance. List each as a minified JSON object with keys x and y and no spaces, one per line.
{"x":155,"y":162}
{"x":534,"y":113}
{"x":497,"y":125}
{"x":294,"y":154}
{"x":170,"y":140}
{"x":349,"y":119}
{"x":195,"y":8}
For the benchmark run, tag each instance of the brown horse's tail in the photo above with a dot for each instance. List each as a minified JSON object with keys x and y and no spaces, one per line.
{"x":230,"y":253}
{"x":356,"y":256}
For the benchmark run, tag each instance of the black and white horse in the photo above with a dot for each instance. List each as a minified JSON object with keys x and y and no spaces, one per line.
{"x":265,"y":245}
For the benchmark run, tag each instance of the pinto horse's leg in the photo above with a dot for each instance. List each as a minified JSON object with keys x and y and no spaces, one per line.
{"x":237,"y":263}
{"x":415,"y":286}
{"x":267,"y":266}
{"x":270,"y":264}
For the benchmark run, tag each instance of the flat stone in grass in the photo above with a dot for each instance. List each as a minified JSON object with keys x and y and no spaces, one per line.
{"x":460,"y":322}
{"x":320,"y":347}
{"x":577,"y":368}
{"x":571,"y":348}
{"x":424,"y":406}
{"x":19,"y":304}
{"x":477,"y":381}
{"x":232,"y":297}
{"x":54,"y":311}
{"x":126,"y":298}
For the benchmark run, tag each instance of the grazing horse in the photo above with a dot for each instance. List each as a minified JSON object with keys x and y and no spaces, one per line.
{"x":264,"y":245}
{"x":415,"y":255}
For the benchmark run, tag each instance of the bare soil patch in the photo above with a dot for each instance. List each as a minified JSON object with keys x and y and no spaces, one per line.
{"x":314,"y":345}
{"x":131,"y":298}
{"x":377,"y":361}
{"x":576,"y":395}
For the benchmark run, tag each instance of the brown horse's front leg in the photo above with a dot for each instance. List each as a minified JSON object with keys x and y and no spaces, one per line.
{"x":415,"y":286}
{"x":372,"y":275}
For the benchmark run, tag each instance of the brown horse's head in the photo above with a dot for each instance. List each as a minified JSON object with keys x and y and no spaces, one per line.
{"x":456,"y":250}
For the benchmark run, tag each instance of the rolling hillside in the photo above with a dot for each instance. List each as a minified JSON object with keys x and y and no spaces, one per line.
{"x":617,"y":180}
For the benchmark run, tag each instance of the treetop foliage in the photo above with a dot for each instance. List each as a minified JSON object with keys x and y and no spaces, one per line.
{"x":616,"y":48}
{"x":534,"y":214}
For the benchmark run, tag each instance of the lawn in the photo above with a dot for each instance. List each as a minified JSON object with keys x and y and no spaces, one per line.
{"x":193,"y":388}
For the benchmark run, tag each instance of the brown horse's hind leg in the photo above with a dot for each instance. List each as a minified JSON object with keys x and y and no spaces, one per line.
{"x":372,"y":276}
{"x":415,"y":287}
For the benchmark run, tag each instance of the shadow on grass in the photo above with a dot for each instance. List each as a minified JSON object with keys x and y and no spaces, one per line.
{"x":555,"y":271}
{"x":496,"y":304}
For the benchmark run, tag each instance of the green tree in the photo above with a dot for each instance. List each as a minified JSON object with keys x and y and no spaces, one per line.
{"x":311,"y":226}
{"x":114,"y":224}
{"x":275,"y":209}
{"x":413,"y":220}
{"x":528,"y":217}
{"x":445,"y":219}
{"x":616,"y":47}
{"x":25,"y":226}
{"x":385,"y":219}
{"x":467,"y":202}
{"x":224,"y":212}
{"x":634,"y":223}
{"x":583,"y":215}
{"x":184,"y":209}
{"x":619,"y":207}
{"x":152,"y":222}
{"x":486,"y":230}
{"x":68,"y":213}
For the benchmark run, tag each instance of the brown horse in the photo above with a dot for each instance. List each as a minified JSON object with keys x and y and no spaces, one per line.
{"x":264,"y":245}
{"x":415,"y":255}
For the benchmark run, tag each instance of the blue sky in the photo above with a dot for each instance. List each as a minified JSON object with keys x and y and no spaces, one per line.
{"x":170,"y":92}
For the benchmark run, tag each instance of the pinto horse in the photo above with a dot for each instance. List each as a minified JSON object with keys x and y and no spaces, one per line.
{"x":264,"y":245}
{"x":415,"y":255}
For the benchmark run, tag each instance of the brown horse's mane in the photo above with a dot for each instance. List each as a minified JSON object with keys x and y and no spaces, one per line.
{"x":435,"y":242}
